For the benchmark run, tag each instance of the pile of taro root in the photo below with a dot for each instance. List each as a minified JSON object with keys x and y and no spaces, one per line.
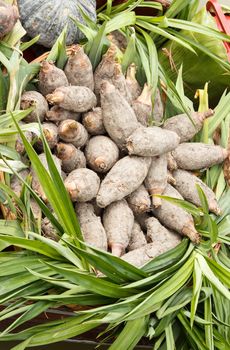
{"x":114,"y":166}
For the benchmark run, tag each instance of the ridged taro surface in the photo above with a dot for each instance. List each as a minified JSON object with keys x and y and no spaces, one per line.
{"x":48,"y":18}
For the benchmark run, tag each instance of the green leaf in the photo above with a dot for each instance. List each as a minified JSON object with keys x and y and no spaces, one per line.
{"x":164,"y":291}
{"x":131,"y":334}
{"x":197,"y":284}
{"x":170,"y":343}
{"x":211,"y":277}
{"x":94,"y":284}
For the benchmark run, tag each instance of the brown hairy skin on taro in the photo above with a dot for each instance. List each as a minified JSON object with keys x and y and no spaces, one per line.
{"x":78,"y":69}
{"x":48,"y":230}
{"x":137,"y":238}
{"x":171,"y":163}
{"x":73,"y":132}
{"x":93,"y":121}
{"x":36,"y":100}
{"x":118,"y":117}
{"x":131,"y":81}
{"x":82,"y":185}
{"x":8,"y":17}
{"x":74,"y":98}
{"x":72,"y":158}
{"x":186,"y":186}
{"x":101,"y":153}
{"x":197,"y":155}
{"x":176,"y":218}
{"x":57,"y":114}
{"x":152,"y":141}
{"x":123,"y":179}
{"x":157,"y":233}
{"x":139,"y":201}
{"x":50,"y":78}
{"x":120,"y":83}
{"x":118,"y":222}
{"x":156,"y":179}
{"x":186,"y":128}
{"x":142,"y":106}
{"x":91,"y":226}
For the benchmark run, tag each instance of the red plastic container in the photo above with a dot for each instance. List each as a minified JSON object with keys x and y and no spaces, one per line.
{"x":222,"y":20}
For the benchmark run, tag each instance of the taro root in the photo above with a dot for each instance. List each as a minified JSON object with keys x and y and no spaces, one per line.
{"x":118,"y":222}
{"x":141,"y":256}
{"x":57,"y":114}
{"x":186,"y":186}
{"x":151,"y":141}
{"x":131,"y":81}
{"x":35,"y":181}
{"x":71,"y":157}
{"x":19,"y":145}
{"x":16,"y":184}
{"x":50,"y":132}
{"x":93,"y":121}
{"x":105,"y":69}
{"x":78,"y":69}
{"x":141,"y":219}
{"x":91,"y":226}
{"x":73,"y":98}
{"x":186,"y":127}
{"x":142,"y":106}
{"x":156,"y":179}
{"x":197,"y":155}
{"x":139,"y":201}
{"x":158,"y":108}
{"x":118,"y":117}
{"x":101,"y":153}
{"x":8,"y":17}
{"x":171,"y":163}
{"x":157,"y":233}
{"x":176,"y":218}
{"x":82,"y":185}
{"x":50,"y":78}
{"x":118,"y":39}
{"x":120,"y":83}
{"x":73,"y":132}
{"x":36,"y":100}
{"x":48,"y":230}
{"x":137,"y":238}
{"x":170,"y":178}
{"x":124,"y":178}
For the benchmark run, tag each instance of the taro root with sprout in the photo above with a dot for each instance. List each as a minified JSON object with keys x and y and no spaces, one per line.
{"x":91,"y":226}
{"x":82,"y":185}
{"x":71,"y":157}
{"x":74,"y":98}
{"x":36,"y":100}
{"x":118,"y":117}
{"x":142,"y":106}
{"x":118,"y":222}
{"x":93,"y":121}
{"x":186,"y":184}
{"x":176,"y":218}
{"x":57,"y":114}
{"x":187,"y":127}
{"x":101,"y":153}
{"x":124,"y":178}
{"x":197,"y":155}
{"x":152,"y":141}
{"x":51,"y":78}
{"x":78,"y":69}
{"x":73,"y":132}
{"x":139,"y":200}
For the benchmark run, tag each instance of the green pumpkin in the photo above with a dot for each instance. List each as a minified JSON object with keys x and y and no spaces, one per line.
{"x":48,"y":18}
